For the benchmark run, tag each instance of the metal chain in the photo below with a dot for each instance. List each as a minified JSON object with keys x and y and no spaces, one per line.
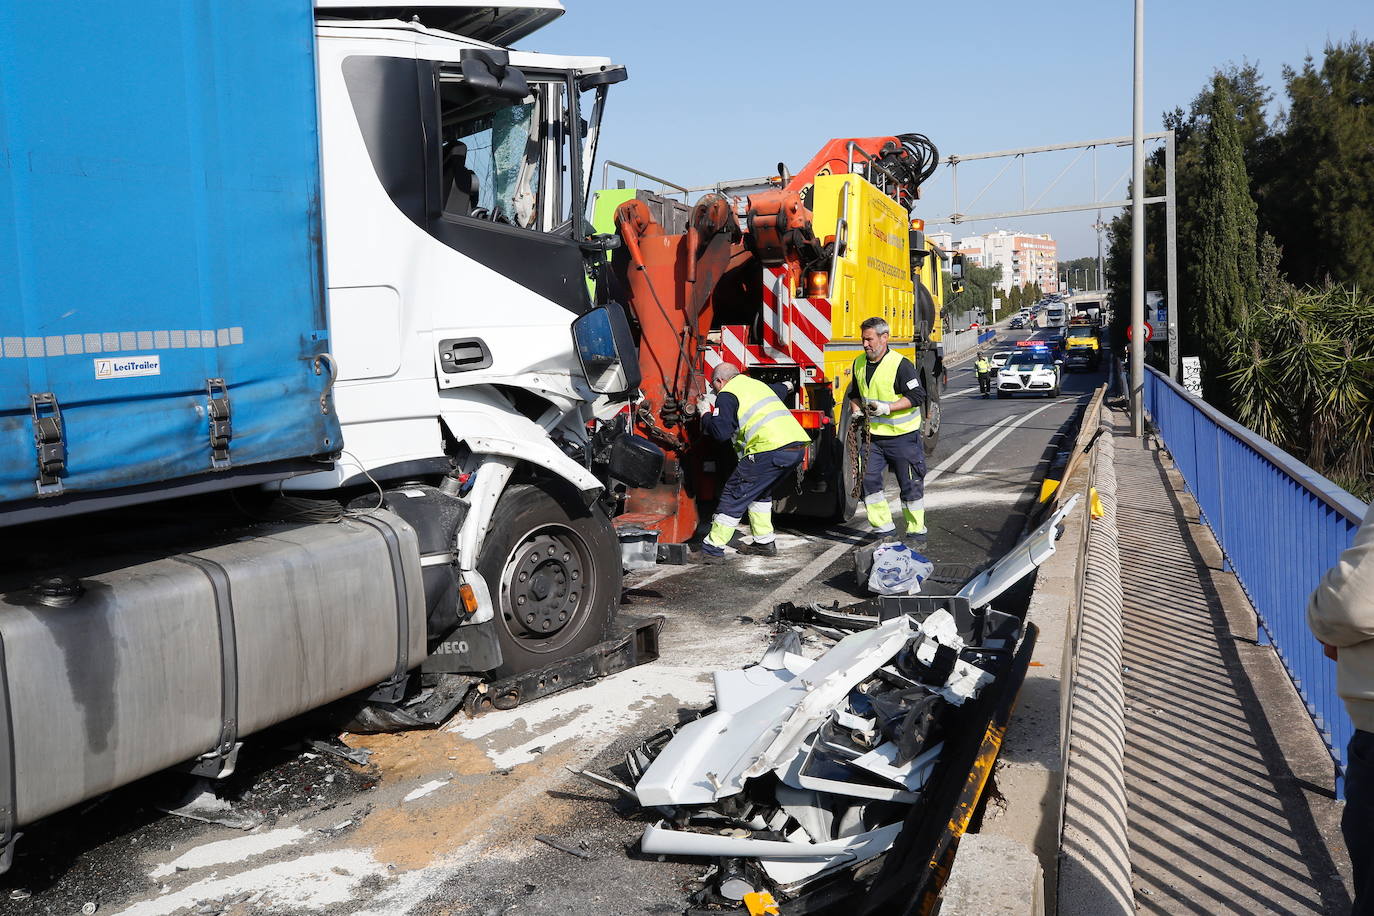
{"x":857,"y":442}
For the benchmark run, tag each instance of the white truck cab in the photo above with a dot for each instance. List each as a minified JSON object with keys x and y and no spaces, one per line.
{"x":454,"y":192}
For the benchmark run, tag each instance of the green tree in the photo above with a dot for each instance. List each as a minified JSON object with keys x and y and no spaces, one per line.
{"x":1322,"y":197}
{"x":1015,"y":299}
{"x":979,"y":288}
{"x":1224,"y":273}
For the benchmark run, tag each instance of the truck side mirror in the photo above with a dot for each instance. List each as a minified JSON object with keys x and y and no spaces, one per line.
{"x":606,"y":350}
{"x":489,"y":72}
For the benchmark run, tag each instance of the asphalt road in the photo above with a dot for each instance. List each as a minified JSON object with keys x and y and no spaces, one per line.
{"x":444,"y":822}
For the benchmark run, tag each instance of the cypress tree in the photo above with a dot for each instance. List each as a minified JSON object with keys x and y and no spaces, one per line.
{"x":1223,"y":271}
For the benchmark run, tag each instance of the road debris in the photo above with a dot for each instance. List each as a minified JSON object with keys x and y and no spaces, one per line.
{"x":200,"y":803}
{"x":561,"y":846}
{"x":355,"y":755}
{"x":805,"y":772}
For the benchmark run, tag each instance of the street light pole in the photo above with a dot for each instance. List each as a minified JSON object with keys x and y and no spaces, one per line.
{"x":1138,"y":228}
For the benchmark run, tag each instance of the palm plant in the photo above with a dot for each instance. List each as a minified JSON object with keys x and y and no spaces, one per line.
{"x":1302,"y":370}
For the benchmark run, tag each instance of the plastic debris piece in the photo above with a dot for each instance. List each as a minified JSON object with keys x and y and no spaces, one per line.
{"x":761,"y":903}
{"x":965,"y":683}
{"x":912,"y":775}
{"x":357,"y":755}
{"x":201,"y":804}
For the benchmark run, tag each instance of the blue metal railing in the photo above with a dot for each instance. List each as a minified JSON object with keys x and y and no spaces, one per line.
{"x":1280,"y":524}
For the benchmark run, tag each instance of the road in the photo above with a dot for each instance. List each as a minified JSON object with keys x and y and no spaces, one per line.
{"x":443,"y":823}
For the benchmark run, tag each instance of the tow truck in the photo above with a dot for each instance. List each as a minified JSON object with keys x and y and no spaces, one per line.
{"x":777,"y":281}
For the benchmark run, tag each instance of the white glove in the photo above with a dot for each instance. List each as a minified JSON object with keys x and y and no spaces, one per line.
{"x":705,"y":404}
{"x":878,"y":408}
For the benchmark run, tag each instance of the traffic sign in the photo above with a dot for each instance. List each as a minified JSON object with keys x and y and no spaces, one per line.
{"x":1149,"y":332}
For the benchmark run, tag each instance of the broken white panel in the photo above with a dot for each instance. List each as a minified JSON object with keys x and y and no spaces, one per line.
{"x":664,"y":841}
{"x":744,"y":687}
{"x":827,"y":683}
{"x":710,"y":758}
{"x":1017,"y":563}
{"x":795,"y":774}
{"x":786,"y":653}
{"x":788,"y":872}
{"x":882,"y":762}
{"x":964,"y":683}
{"x":939,"y":629}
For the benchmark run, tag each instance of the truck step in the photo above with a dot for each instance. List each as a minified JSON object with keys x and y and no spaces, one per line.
{"x":636,"y":644}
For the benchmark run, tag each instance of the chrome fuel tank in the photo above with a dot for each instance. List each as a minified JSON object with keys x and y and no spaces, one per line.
{"x":125,"y":669}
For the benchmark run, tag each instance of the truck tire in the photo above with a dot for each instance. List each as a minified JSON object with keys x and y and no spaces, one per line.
{"x":930,"y":425}
{"x":553,"y":568}
{"x":846,"y":503}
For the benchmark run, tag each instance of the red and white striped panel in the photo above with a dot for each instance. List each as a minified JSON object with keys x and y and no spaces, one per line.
{"x":793,"y":329}
{"x":777,"y":313}
{"x":811,"y":320}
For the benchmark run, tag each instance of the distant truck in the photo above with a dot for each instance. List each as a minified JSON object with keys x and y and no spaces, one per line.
{"x":1092,"y":309}
{"x":301,"y":387}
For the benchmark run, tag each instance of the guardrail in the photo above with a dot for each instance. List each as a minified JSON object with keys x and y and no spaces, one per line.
{"x":1280,"y":524}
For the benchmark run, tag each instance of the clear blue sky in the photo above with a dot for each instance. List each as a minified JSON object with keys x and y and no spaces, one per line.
{"x":728,"y":89}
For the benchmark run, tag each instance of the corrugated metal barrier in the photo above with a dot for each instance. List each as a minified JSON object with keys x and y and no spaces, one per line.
{"x":1280,"y":525}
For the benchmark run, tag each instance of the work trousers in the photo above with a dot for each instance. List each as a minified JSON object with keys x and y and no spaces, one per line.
{"x":906,"y":455}
{"x":747,"y":490}
{"x":1357,"y":823}
{"x":984,"y":382}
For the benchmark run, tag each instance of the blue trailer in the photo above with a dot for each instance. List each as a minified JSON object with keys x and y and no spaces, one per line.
{"x":162,"y":300}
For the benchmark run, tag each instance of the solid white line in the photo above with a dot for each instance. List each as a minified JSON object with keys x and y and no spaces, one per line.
{"x":996,"y":440}
{"x":963,"y":450}
{"x":801,"y":577}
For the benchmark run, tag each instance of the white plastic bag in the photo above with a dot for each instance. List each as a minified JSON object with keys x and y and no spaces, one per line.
{"x":898,"y":570}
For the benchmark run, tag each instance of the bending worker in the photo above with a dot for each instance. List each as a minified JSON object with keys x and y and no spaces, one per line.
{"x":770,"y":443}
{"x":983,"y":366}
{"x":887,"y":388}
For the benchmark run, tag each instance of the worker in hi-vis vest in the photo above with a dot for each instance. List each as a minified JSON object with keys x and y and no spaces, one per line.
{"x":887,"y":388}
{"x":770,"y":443}
{"x":983,"y":366}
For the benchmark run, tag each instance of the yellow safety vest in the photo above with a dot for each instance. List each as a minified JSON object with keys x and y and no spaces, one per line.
{"x":765,"y":423}
{"x":883,"y":387}
{"x":982,"y":365}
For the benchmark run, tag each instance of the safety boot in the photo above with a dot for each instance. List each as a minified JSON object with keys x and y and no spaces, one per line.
{"x":760,"y":550}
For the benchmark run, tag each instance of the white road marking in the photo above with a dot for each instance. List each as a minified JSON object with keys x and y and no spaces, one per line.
{"x":933,"y":474}
{"x":225,"y":851}
{"x":434,"y":785}
{"x":801,"y":577}
{"x":997,"y":439}
{"x":311,"y":882}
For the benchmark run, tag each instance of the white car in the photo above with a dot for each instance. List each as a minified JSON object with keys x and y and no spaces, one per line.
{"x":999,"y":359}
{"x":1029,"y":372}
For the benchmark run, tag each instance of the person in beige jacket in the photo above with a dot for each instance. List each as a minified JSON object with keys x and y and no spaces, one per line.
{"x":1341,"y":615}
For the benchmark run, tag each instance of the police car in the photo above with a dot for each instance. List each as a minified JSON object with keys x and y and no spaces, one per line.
{"x":1031,"y":370}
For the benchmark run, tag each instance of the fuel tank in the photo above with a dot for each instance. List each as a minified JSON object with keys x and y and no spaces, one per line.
{"x":118,"y":668}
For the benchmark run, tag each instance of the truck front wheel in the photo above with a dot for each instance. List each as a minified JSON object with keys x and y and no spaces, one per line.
{"x":553,"y":568}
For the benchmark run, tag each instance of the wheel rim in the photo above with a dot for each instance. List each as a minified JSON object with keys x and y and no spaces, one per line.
{"x":932,"y":426}
{"x":547,"y":586}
